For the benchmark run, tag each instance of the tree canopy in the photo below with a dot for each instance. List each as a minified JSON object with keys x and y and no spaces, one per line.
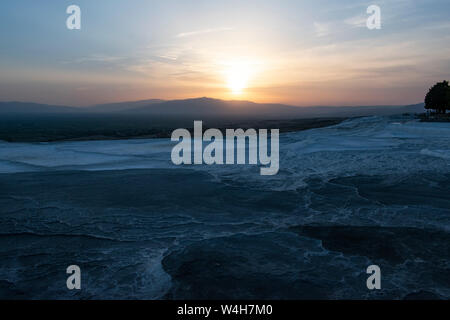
{"x":438,"y":97}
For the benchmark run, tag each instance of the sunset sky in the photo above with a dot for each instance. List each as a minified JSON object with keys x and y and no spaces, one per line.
{"x":296,"y":52}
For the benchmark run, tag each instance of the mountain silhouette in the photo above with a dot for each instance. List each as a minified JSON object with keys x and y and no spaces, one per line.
{"x":16,"y":107}
{"x":199,"y":108}
{"x":122,"y":106}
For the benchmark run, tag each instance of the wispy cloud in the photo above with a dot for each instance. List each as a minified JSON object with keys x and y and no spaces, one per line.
{"x":358,"y":21}
{"x":321,"y":29}
{"x":199,"y":32}
{"x":96,"y":58}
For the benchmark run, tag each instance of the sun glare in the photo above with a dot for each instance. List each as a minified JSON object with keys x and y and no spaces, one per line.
{"x":238,"y":76}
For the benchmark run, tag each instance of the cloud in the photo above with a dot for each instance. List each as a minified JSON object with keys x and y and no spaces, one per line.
{"x":321,"y":29}
{"x":96,"y":58}
{"x":358,"y":21}
{"x":199,"y":32}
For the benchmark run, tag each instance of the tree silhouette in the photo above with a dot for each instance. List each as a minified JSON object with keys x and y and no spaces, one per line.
{"x":438,"y":97}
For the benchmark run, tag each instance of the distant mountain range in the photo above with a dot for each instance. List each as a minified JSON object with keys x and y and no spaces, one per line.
{"x":200,"y":108}
{"x":15,"y":107}
{"x":123,"y":106}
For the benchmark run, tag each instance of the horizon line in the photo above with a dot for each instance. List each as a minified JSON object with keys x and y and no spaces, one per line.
{"x":211,"y":98}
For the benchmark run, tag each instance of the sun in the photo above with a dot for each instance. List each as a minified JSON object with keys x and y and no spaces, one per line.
{"x":237,"y":76}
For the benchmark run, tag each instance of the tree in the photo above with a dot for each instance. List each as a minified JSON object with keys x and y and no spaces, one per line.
{"x":438,"y":97}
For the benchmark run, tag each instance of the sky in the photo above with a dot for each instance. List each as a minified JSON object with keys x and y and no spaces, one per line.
{"x":296,"y":52}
